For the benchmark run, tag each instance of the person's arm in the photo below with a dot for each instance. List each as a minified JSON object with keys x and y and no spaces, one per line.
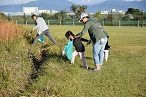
{"x":104,"y":31}
{"x":86,"y":27}
{"x":38,"y":26}
{"x":38,"y":23}
{"x":35,"y":27}
{"x":85,"y":40}
{"x":106,"y":34}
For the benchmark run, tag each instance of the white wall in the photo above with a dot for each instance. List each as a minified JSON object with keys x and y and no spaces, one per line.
{"x":30,"y":10}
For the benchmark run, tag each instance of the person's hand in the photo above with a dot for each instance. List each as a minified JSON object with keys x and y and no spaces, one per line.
{"x":89,"y":42}
{"x":77,"y":36}
{"x":102,"y":41}
{"x":31,"y":32}
{"x":63,"y":52}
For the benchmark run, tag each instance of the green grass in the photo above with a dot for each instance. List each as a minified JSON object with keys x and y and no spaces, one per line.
{"x":124,"y":75}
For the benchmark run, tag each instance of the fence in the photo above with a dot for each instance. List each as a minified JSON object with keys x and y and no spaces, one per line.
{"x":124,"y":23}
{"x":73,"y":22}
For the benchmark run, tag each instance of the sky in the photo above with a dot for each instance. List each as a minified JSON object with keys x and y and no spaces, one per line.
{"x":89,"y":2}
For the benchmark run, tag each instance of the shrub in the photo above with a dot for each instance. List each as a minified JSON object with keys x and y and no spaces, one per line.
{"x":8,"y":30}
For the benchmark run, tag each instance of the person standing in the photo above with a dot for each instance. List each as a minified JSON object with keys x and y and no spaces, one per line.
{"x":42,"y":29}
{"x":98,"y":38}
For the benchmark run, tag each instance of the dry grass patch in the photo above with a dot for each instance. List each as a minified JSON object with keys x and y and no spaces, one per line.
{"x":8,"y":30}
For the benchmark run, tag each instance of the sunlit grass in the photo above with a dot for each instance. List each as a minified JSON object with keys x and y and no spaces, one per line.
{"x":123,"y":75}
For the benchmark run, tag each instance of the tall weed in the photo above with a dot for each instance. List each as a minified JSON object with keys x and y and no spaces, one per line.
{"x":8,"y":30}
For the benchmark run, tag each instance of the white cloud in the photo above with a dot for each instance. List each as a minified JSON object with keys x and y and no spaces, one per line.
{"x":7,"y":2}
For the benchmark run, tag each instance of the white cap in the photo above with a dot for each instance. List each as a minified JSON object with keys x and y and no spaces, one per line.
{"x":83,"y":15}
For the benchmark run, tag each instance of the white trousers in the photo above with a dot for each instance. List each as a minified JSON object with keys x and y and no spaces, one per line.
{"x":106,"y":52}
{"x":75,"y":53}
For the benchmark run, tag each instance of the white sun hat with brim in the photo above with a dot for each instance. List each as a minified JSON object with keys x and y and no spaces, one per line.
{"x":82,"y":16}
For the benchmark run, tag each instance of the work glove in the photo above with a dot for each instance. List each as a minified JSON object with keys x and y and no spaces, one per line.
{"x":102,"y":41}
{"x":63,"y":52}
{"x":31,"y":32}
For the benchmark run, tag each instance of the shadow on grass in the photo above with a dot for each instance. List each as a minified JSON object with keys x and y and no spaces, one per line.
{"x":89,"y":68}
{"x":45,"y":46}
{"x":44,"y":56}
{"x":88,"y":58}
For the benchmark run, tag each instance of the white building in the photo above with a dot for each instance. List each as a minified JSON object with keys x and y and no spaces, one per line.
{"x":121,"y":12}
{"x":104,"y":12}
{"x":70,"y":14}
{"x":30,"y":10}
{"x":54,"y":11}
{"x":113,"y":11}
{"x":44,"y":11}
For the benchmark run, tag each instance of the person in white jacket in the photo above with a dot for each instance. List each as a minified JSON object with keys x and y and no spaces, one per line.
{"x":42,"y":29}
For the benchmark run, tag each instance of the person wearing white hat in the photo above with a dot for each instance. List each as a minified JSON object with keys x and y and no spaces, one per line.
{"x":98,"y":37}
{"x":83,"y":15}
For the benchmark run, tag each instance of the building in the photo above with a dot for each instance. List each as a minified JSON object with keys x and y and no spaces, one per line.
{"x":54,"y":11}
{"x":113,"y":11}
{"x":70,"y":13}
{"x":30,"y":10}
{"x":104,"y":12}
{"x":44,"y":11}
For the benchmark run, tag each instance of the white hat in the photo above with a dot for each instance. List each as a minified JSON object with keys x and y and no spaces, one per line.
{"x":83,"y":15}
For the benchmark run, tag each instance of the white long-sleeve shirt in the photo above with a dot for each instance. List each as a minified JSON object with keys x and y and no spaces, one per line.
{"x":41,"y":25}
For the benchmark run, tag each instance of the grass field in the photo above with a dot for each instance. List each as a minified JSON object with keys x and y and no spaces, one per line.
{"x":49,"y":74}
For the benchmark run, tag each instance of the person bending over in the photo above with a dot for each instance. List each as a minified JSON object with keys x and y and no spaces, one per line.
{"x":42,"y":29}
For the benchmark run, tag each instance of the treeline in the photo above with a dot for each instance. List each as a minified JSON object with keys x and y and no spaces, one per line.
{"x":131,"y":14}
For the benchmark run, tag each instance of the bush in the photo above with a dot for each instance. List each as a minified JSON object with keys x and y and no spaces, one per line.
{"x":8,"y":30}
{"x":2,"y":16}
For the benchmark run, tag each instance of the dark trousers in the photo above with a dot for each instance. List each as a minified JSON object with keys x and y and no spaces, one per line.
{"x":47,"y":33}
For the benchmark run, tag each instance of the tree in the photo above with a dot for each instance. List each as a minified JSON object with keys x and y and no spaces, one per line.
{"x":2,"y":16}
{"x":120,"y":16}
{"x":45,"y":16}
{"x":144,"y":15}
{"x":133,"y":11}
{"x":63,"y":15}
{"x":136,"y":13}
{"x":98,"y":15}
{"x":60,"y":15}
{"x":25,"y":18}
{"x":78,"y":9}
{"x":110,"y":17}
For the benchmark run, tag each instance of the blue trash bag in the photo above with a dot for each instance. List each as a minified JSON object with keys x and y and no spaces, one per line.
{"x":69,"y":49}
{"x":42,"y":39}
